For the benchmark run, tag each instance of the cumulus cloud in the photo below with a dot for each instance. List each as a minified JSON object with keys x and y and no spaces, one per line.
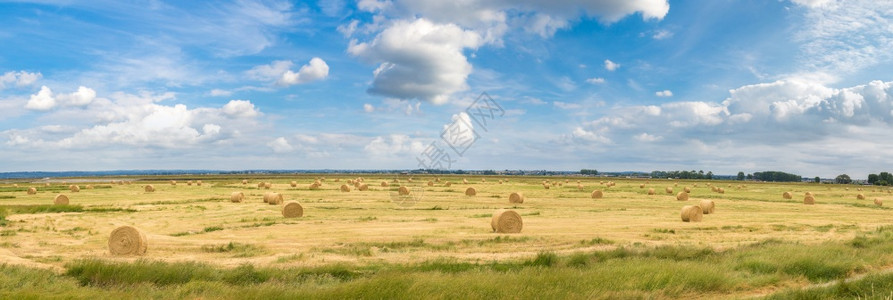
{"x":83,"y":96}
{"x":20,"y":78}
{"x":280,"y":72}
{"x":568,"y":106}
{"x":220,"y":93}
{"x":240,"y":109}
{"x":368,"y":108}
{"x":43,"y":100}
{"x":645,"y":137}
{"x":394,"y":145}
{"x":46,"y":100}
{"x":595,"y":80}
{"x":611,"y":66}
{"x":280,"y":145}
{"x":664,"y":93}
{"x":662,"y":34}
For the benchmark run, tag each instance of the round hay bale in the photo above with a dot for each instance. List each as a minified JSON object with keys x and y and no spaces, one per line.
{"x":317,"y":182}
{"x":642,"y":186}
{"x":692,"y":213}
{"x":149,"y":188}
{"x":437,"y":179}
{"x":273,"y":198}
{"x":500,"y":182}
{"x":707,"y":206}
{"x":268,"y":185}
{"x":650,"y":191}
{"x":682,"y":196}
{"x":448,"y":184}
{"x":339,"y":179}
{"x":470,"y":191}
{"x":687,"y":190}
{"x":403,"y":191}
{"x":669,"y":190}
{"x":409,"y":180}
{"x":350,"y":181}
{"x":878,"y":202}
{"x":237,"y":197}
{"x":516,"y":198}
{"x":809,"y":194}
{"x":244,"y":181}
{"x":74,"y":188}
{"x":787,"y":195}
{"x":721,"y":190}
{"x":189,"y":183}
{"x":260,"y":185}
{"x":314,"y":186}
{"x":89,"y":187}
{"x":860,"y":197}
{"x":46,"y":184}
{"x":293,"y":210}
{"x":384,"y":184}
{"x":483,"y":180}
{"x":60,"y":200}
{"x":430,"y":183}
{"x":809,"y":200}
{"x":198,"y":182}
{"x":546,"y":186}
{"x":127,"y":240}
{"x":465,"y":181}
{"x":506,"y":221}
{"x":363,"y":187}
{"x":596,"y":194}
{"x":676,"y":184}
{"x":173,"y":182}
{"x":294,"y":183}
{"x":345,"y":188}
{"x":15,"y":185}
{"x":32,"y":191}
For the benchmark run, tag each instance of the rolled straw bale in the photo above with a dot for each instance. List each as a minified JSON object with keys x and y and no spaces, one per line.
{"x":314,"y":186}
{"x":650,"y":191}
{"x":787,"y":195}
{"x":363,"y":187}
{"x":860,"y":197}
{"x":149,"y":188}
{"x":596,"y":194}
{"x":682,"y":196}
{"x":692,"y":213}
{"x":89,"y":187}
{"x":669,"y":190}
{"x":516,"y":198}
{"x":60,"y":200}
{"x":809,"y":200}
{"x":244,"y":181}
{"x":642,"y":186}
{"x":74,"y":188}
{"x":345,"y":188}
{"x":721,"y":190}
{"x":260,"y":185}
{"x":403,"y":191}
{"x":15,"y":185}
{"x":686,"y":189}
{"x":198,"y":182}
{"x":707,"y":206}
{"x":350,"y":181}
{"x":237,"y":197}
{"x":339,"y":179}
{"x":470,"y":191}
{"x":384,"y":184}
{"x":448,"y":184}
{"x":268,"y":185}
{"x":809,"y":194}
{"x":430,"y":183}
{"x":189,"y":182}
{"x":293,"y":183}
{"x":506,"y":221}
{"x":483,"y":180}
{"x":465,"y":181}
{"x":127,"y":240}
{"x":500,"y":181}
{"x":273,"y":198}
{"x":409,"y":180}
{"x":46,"y":184}
{"x":579,"y":186}
{"x":293,"y":210}
{"x":32,"y":191}
{"x":878,"y":202}
{"x":546,"y":186}
{"x":173,"y":182}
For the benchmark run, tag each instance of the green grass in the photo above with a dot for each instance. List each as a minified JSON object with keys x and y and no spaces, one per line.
{"x":236,"y":249}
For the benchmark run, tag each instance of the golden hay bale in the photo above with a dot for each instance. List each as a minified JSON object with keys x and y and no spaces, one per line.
{"x":809,"y":199}
{"x":317,"y":182}
{"x":314,"y":186}
{"x":198,"y":182}
{"x":687,"y":190}
{"x":268,"y":185}
{"x":60,"y":200}
{"x":676,"y":184}
{"x":859,"y":189}
{"x":546,"y":186}
{"x":448,"y":184}
{"x":516,"y":198}
{"x":363,"y":187}
{"x":293,"y":183}
{"x":860,"y":197}
{"x":173,"y":182}
{"x":127,"y":240}
{"x":74,"y":188}
{"x":32,"y":191}
{"x":430,"y":183}
{"x":337,"y":179}
{"x":403,"y":191}
{"x":273,"y":198}
{"x":89,"y":187}
{"x":464,"y":181}
{"x":396,"y":180}
{"x":707,"y":206}
{"x":237,"y":197}
{"x":149,"y":188}
{"x":15,"y":185}
{"x":500,"y":182}
{"x":437,"y":179}
{"x":650,"y":191}
{"x":350,"y":181}
{"x":714,"y":189}
{"x":244,"y":181}
{"x":189,"y":183}
{"x":682,"y":196}
{"x":642,"y":186}
{"x":483,"y":180}
{"x":46,"y":184}
{"x":847,"y":189}
{"x":878,"y":202}
{"x":293,"y":210}
{"x":809,"y":194}
{"x":345,"y":188}
{"x":506,"y":221}
{"x":692,"y":213}
{"x":669,"y":190}
{"x":596,"y":194}
{"x":260,"y":185}
{"x":409,"y":180}
{"x":787,"y":195}
{"x":384,"y":184}
{"x":721,"y":190}
{"x":470,"y":191}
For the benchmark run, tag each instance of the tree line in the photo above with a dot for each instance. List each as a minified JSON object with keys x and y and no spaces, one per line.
{"x":884,"y":178}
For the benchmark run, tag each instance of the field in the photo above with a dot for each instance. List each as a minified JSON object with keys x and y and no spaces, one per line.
{"x":438,"y":243}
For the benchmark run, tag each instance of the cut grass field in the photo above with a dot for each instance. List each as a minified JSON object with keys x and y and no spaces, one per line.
{"x":360,"y":244}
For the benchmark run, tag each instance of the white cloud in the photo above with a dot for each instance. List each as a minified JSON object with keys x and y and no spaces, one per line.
{"x":664,"y":93}
{"x":662,"y":34}
{"x":219,"y":93}
{"x":317,"y":69}
{"x":460,"y":131}
{"x":394,"y":145}
{"x":645,"y":137}
{"x":270,"y":72}
{"x":567,"y":106}
{"x":368,"y":108}
{"x":82,"y":97}
{"x":43,"y":100}
{"x":611,"y":66}
{"x":280,"y":145}
{"x":20,"y":78}
{"x":419,"y":60}
{"x":812,"y":3}
{"x":595,"y":80}
{"x":591,"y":136}
{"x":240,"y":109}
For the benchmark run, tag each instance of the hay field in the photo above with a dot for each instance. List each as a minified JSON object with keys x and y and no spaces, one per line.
{"x":367,"y":229}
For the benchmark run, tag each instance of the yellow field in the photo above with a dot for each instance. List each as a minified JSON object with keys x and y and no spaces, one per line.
{"x":360,"y":227}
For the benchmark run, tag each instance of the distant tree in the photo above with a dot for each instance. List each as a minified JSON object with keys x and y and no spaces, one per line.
{"x":749,"y":176}
{"x":873,"y":178}
{"x":885,"y":178}
{"x":843,"y":179}
{"x":817,"y":179}
{"x":776,"y":176}
{"x":589,"y":172}
{"x":709,"y":175}
{"x":740,"y":175}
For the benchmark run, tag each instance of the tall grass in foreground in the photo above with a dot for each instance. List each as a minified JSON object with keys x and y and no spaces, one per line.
{"x":625,"y":272}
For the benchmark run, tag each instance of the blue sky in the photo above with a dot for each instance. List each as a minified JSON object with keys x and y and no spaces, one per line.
{"x":801,"y":86}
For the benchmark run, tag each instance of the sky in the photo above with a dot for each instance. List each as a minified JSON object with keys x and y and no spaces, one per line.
{"x":800,"y":86}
